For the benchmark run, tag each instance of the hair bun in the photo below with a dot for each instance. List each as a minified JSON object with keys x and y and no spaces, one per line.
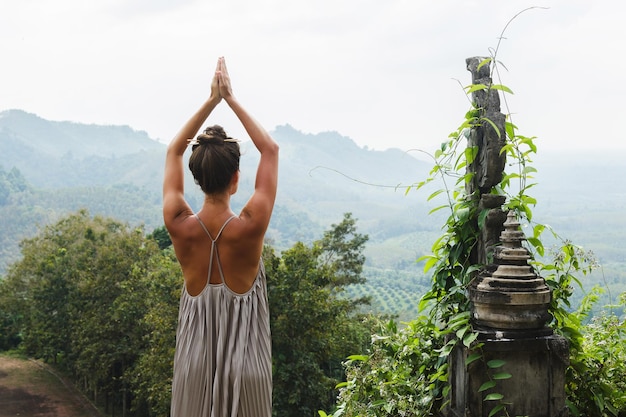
{"x":212,"y":135}
{"x":205,"y":139}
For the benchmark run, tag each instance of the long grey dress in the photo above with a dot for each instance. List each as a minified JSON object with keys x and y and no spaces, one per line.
{"x":223,"y":363}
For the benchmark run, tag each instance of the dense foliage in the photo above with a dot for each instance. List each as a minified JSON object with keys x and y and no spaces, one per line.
{"x":313,"y":329}
{"x":99,"y":300}
{"x":79,"y":298}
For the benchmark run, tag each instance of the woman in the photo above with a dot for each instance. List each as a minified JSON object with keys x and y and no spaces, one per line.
{"x":222,"y":365}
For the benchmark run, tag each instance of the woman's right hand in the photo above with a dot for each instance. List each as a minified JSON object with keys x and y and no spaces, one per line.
{"x":225,"y":89}
{"x":215,"y":87}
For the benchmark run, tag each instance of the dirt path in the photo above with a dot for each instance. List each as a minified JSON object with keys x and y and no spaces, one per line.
{"x":31,"y":389}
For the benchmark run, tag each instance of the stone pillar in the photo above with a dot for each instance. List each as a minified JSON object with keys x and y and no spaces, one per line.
{"x":509,"y":301}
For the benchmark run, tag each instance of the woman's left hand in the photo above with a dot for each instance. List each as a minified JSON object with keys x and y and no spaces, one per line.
{"x":215,"y":86}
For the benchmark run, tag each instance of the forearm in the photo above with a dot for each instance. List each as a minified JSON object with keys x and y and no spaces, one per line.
{"x":193,"y":125}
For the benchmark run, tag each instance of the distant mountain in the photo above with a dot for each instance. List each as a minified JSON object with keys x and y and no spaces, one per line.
{"x":66,"y":154}
{"x":48,"y":169}
{"x":117,"y":171}
{"x":58,"y":139}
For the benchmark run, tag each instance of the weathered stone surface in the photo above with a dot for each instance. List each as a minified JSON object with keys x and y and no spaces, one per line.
{"x":537,"y":366}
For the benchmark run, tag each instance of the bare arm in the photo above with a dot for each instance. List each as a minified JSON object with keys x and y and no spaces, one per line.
{"x":175,"y":207}
{"x":259,"y":208}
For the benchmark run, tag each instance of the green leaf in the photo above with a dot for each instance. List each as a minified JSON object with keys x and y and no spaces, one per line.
{"x":423,"y":304}
{"x":437,"y":209}
{"x":484,"y":62}
{"x":473,"y":357}
{"x":529,"y":200}
{"x":432,"y":261}
{"x":493,"y":125}
{"x":446,"y":349}
{"x":537,"y":244}
{"x":462,"y":317}
{"x":495,"y":363}
{"x":435,"y":194}
{"x":487,"y":385}
{"x":481,"y":218}
{"x":496,"y":409}
{"x":461,"y":332}
{"x":494,"y":397}
{"x":502,"y":88}
{"x":529,"y":142}
{"x":470,"y":154}
{"x":469,"y":339}
{"x":572,"y":408}
{"x":357,"y":357}
{"x":463,"y":213}
{"x":508,"y":149}
{"x":472,"y":114}
{"x":502,"y":375}
{"x":475,"y":87}
{"x":510,"y":176}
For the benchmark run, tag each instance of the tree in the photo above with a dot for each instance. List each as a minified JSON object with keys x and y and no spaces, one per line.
{"x":162,"y":237}
{"x":313,"y":328}
{"x":82,"y":296}
{"x":151,"y":376}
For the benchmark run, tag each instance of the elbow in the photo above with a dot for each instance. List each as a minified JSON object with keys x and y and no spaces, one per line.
{"x":275,"y":148}
{"x":174,"y":148}
{"x":269,"y":149}
{"x":272,"y":148}
{"x":171,"y":149}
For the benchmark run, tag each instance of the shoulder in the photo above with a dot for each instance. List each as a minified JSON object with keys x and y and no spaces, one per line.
{"x":245,"y":237}
{"x":247,"y":227}
{"x":183,"y":225}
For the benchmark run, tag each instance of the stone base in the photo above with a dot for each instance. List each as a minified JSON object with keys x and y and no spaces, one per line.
{"x":537,"y":385}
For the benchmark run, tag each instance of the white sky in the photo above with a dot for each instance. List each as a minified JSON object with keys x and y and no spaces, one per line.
{"x":383,"y":72}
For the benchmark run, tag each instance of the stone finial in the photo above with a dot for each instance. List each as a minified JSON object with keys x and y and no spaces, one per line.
{"x":513,"y":297}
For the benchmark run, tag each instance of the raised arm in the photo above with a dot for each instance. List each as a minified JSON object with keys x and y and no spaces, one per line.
{"x":175,"y":208}
{"x":258,"y":209}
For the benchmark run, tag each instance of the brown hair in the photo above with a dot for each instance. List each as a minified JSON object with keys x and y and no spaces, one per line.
{"x":214,"y":160}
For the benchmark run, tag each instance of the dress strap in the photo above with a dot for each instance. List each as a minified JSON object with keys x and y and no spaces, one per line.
{"x":214,"y":246}
{"x":221,"y":228}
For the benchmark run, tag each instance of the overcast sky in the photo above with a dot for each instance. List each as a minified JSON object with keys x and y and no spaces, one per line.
{"x":385,"y":73}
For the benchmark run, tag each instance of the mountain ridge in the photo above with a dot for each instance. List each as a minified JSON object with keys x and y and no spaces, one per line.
{"x":116,"y":171}
{"x":321,"y":176}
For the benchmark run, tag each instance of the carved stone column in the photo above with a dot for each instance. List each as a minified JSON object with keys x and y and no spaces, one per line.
{"x":509,"y":300}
